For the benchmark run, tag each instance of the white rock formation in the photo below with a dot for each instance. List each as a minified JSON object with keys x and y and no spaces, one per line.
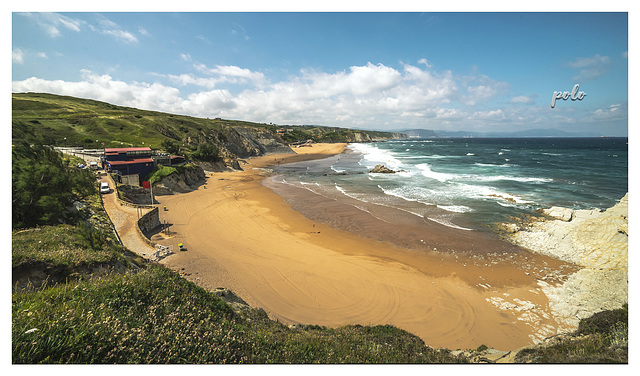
{"x":595,"y":240}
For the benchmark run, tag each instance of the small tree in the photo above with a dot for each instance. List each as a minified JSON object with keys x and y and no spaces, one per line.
{"x":206,"y":153}
{"x":170,"y":146}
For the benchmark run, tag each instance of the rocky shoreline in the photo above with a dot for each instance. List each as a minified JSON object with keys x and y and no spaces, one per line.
{"x":595,"y":240}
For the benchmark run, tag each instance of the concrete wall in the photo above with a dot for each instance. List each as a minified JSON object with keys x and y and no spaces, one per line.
{"x":149,"y":221}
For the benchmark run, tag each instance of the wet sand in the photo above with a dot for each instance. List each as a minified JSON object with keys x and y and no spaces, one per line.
{"x":473,"y":289}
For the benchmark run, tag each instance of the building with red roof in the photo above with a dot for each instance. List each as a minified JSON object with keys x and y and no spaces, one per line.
{"x":129,"y":161}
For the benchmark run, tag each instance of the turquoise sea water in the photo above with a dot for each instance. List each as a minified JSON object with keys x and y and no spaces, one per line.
{"x":469,"y":183}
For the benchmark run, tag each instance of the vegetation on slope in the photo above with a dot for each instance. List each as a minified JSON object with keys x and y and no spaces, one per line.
{"x":67,"y":121}
{"x":601,"y":338}
{"x":44,"y":185}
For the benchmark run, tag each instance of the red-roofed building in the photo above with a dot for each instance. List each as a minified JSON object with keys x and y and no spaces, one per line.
{"x":129,"y":161}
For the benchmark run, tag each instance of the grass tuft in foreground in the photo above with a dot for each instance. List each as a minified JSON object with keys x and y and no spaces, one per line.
{"x":601,"y":338}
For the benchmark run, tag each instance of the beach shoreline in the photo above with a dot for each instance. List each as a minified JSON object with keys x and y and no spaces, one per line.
{"x":241,"y":235}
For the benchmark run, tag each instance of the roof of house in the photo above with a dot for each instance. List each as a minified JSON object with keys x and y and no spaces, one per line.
{"x":132,"y":161}
{"x":124,"y":150}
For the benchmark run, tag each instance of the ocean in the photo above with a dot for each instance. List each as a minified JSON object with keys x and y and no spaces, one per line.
{"x":468,"y":183}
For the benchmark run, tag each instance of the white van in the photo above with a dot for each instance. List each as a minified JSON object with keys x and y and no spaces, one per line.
{"x":93,"y":165}
{"x":104,"y":188}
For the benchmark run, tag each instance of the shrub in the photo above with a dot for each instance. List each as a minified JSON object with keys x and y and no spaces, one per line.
{"x":206,"y":152}
{"x":44,"y":186}
{"x":604,"y":322}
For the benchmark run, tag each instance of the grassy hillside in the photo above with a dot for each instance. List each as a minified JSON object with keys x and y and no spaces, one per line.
{"x":82,"y":121}
{"x":67,"y":121}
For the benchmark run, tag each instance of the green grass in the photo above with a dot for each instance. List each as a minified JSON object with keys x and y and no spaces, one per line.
{"x":51,"y":118}
{"x":63,"y":245}
{"x":68,"y":121}
{"x":601,"y":338}
{"x":160,"y":172}
{"x":156,"y":316}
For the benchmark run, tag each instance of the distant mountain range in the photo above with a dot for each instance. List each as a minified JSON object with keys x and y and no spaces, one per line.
{"x":428,"y":133}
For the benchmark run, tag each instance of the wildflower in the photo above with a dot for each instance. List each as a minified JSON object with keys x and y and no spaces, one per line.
{"x":31,"y":330}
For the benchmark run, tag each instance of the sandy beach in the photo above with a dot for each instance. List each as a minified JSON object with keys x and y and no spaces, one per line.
{"x":241,"y":235}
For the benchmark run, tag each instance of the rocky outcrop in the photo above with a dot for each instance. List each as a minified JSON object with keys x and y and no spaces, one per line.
{"x":380,"y":169}
{"x":593,"y":239}
{"x":590,"y":238}
{"x":245,"y":142}
{"x":185,"y":180}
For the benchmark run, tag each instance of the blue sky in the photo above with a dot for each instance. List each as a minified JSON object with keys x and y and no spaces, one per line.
{"x":388,"y":71}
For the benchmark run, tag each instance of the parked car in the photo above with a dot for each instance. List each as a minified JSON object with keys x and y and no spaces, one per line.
{"x":104,"y":188}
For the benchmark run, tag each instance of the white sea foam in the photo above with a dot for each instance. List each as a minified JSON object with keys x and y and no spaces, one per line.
{"x":408,"y":193}
{"x":456,"y":208}
{"x":447,"y":223}
{"x":372,"y":156}
{"x":426,"y":171}
{"x":493,"y":165}
{"x":338,"y":170}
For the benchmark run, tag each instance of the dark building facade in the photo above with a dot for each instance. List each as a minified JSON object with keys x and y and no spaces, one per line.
{"x":129,"y":161}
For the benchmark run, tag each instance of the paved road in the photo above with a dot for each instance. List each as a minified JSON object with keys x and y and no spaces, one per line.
{"x":125,"y":220}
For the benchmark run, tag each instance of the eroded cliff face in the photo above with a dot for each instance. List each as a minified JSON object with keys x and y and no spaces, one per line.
{"x":593,"y":239}
{"x":180,"y":182}
{"x":244,"y":142}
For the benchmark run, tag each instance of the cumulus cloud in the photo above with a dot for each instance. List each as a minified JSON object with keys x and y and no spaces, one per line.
{"x":371,"y":95}
{"x":590,"y":67}
{"x":230,"y":73}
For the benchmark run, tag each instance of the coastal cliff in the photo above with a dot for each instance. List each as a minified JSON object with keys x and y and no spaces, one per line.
{"x":593,"y":239}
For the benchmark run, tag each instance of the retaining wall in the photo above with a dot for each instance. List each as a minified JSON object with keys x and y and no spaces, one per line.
{"x":148,"y":222}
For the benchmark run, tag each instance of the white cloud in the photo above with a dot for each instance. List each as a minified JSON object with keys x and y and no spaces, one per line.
{"x":110,"y":28}
{"x":143,"y":31}
{"x":590,"y":67}
{"x":53,"y":22}
{"x":372,"y":96}
{"x":480,"y":88}
{"x":492,"y":114}
{"x":613,"y":112}
{"x":425,"y":62}
{"x":190,"y":79}
{"x":17,"y":56}
{"x":521,"y":99}
{"x":43,"y":55}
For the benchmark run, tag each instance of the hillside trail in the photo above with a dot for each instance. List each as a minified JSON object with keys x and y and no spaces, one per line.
{"x":125,"y":220}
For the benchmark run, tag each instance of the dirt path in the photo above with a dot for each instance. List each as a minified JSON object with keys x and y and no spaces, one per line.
{"x":125,"y":220}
